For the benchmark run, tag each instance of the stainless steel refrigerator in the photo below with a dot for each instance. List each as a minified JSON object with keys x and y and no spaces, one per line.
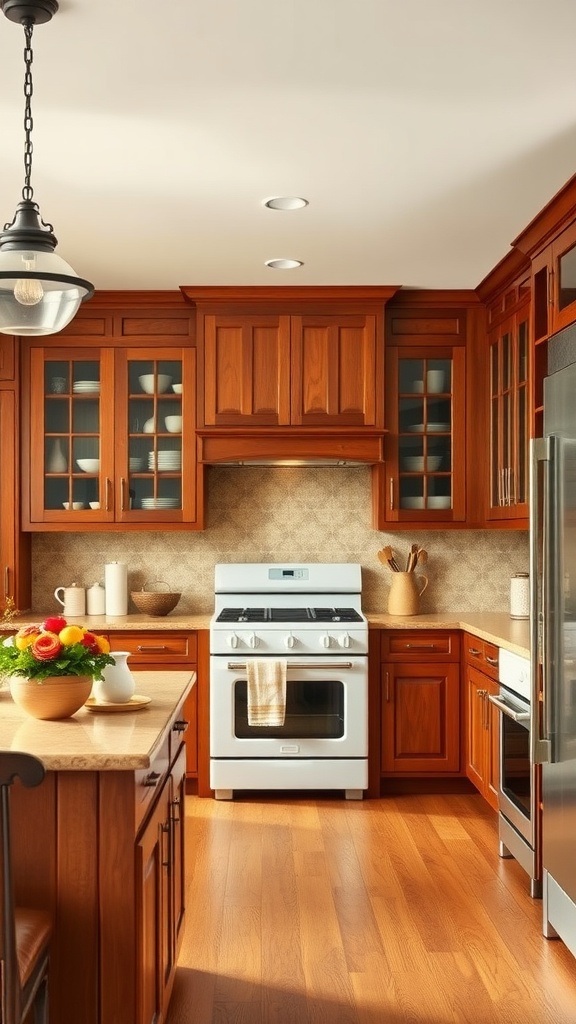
{"x":553,"y":640}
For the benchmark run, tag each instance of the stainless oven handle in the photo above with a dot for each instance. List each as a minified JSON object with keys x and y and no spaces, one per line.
{"x":238,"y":666}
{"x":516,"y":716}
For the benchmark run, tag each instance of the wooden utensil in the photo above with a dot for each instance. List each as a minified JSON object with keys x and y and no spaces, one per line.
{"x":422,"y":557}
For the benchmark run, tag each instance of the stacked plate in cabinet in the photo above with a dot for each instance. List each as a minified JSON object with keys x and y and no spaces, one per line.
{"x":160,"y":503}
{"x":86,"y":386}
{"x":165,"y":462}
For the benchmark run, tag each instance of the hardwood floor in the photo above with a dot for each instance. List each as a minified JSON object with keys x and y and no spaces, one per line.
{"x":391,"y":911}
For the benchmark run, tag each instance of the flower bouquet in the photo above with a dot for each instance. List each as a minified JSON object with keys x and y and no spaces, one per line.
{"x":63,"y":659}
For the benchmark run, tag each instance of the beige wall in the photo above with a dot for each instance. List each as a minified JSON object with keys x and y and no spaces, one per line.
{"x":286,"y":515}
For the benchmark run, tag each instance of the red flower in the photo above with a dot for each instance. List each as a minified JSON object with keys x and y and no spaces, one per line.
{"x":89,"y":640}
{"x":46,"y":647}
{"x":53,"y":624}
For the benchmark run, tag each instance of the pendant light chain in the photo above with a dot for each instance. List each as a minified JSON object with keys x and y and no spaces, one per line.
{"x":28,"y":191}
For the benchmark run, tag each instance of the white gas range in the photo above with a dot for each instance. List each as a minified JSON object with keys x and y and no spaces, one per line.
{"x":307,"y":618}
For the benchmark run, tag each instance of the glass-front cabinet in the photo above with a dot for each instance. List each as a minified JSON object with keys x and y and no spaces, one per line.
{"x":509,"y":416}
{"x":425,"y":453}
{"x":112,"y":436}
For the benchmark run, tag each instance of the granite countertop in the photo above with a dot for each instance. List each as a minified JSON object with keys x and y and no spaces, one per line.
{"x":496,"y":627}
{"x":98,"y":741}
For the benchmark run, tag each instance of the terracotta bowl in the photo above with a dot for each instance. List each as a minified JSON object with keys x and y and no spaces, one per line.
{"x":52,"y":698}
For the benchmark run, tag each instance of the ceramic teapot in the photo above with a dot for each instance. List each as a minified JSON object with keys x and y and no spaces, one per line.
{"x":73,"y":600}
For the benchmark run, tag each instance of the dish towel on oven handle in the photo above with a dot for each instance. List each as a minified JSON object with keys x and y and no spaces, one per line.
{"x":266,"y":680}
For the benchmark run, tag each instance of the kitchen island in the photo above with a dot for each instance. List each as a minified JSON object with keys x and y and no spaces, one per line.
{"x":100,"y":844}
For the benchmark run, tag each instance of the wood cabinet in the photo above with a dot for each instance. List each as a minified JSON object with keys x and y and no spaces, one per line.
{"x":507,"y":296}
{"x":424,"y":477}
{"x":482,"y":718}
{"x":161,"y":650}
{"x":294,"y":361}
{"x":109,"y":424}
{"x":160,"y":896}
{"x":420,"y":702}
{"x":14,"y":546}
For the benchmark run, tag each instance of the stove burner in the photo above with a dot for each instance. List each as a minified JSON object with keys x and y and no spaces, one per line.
{"x":289,"y":615}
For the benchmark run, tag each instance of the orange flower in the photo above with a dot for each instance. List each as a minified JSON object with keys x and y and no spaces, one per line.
{"x":26,"y":636}
{"x":103,"y":644}
{"x":46,"y":647}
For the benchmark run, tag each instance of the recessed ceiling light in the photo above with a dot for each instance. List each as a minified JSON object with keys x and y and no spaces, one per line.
{"x":284,"y":264}
{"x":286,"y":203}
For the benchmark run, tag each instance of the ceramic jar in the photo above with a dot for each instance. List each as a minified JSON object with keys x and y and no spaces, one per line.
{"x":117,"y":685}
{"x":405,"y":591}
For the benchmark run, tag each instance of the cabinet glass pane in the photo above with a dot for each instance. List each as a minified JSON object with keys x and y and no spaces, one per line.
{"x":567,"y":278}
{"x":506,"y":343}
{"x":424,"y":443}
{"x":71,"y":434}
{"x":155,"y":434}
{"x":523,"y":351}
{"x":523,"y":450}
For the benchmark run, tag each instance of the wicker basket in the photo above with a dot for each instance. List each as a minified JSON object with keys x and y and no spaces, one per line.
{"x":155,"y":602}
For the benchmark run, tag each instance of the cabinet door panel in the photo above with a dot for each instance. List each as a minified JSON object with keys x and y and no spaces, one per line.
{"x":334,"y":370}
{"x":247,"y":370}
{"x":151,"y":916}
{"x":420,"y":719}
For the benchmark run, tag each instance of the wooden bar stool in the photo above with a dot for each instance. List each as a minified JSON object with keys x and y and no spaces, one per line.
{"x":24,"y":934}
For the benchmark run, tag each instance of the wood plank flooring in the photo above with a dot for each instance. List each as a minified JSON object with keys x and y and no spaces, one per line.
{"x":391,"y":911}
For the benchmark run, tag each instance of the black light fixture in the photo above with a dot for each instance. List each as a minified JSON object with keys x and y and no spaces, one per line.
{"x":39,"y":291}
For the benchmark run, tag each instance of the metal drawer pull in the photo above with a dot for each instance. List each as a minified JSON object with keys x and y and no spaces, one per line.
{"x":237,"y":666}
{"x":180,"y":726}
{"x":152,"y":779}
{"x":421,"y":647}
{"x":474,"y":652}
{"x":492,"y":661}
{"x":516,"y":716}
{"x":152,"y":647}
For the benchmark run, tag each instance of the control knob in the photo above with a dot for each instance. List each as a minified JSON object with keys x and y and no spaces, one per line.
{"x":344,"y":640}
{"x":253,"y":640}
{"x":325,"y":640}
{"x":232,"y":641}
{"x":290,"y":641}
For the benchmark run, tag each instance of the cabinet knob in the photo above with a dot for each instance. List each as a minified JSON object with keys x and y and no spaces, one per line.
{"x":180,"y":725}
{"x":152,"y":779}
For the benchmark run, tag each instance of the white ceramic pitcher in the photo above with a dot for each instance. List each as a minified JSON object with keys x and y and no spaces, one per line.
{"x":117,"y":686}
{"x":73,"y":601}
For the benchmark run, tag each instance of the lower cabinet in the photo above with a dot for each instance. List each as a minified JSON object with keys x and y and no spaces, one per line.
{"x":157,"y":650}
{"x":482,"y":718}
{"x":160,"y":896}
{"x":420,"y":702}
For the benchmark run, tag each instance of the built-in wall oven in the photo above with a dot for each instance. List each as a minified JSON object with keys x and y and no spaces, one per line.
{"x":308,"y":619}
{"x":519,"y":777}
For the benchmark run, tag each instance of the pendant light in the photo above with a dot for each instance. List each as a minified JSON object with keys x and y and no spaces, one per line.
{"x":39,"y":291}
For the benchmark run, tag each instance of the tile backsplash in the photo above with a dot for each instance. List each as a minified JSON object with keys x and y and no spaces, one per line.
{"x":263,"y":514}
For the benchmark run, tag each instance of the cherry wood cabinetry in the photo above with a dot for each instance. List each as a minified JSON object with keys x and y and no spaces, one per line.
{"x":482,"y":722}
{"x":424,"y":479}
{"x":14,"y":546}
{"x":108,"y":440}
{"x":420,"y":702}
{"x":299,"y":361}
{"x":506,"y":293}
{"x":160,"y":868}
{"x":161,"y":650}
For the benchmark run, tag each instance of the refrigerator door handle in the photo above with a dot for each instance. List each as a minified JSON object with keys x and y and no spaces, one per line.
{"x":542,"y":462}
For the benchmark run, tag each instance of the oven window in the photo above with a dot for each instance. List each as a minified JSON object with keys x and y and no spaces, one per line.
{"x":515,"y":766}
{"x":314,"y":710}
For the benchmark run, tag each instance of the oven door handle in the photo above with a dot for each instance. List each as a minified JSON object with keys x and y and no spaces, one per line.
{"x":238,"y":666}
{"x":516,"y":716}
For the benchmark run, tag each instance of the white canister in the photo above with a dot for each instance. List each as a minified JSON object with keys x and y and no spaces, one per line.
{"x":96,"y":599}
{"x":520,"y":596}
{"x":72,"y":599}
{"x":116,"y":584}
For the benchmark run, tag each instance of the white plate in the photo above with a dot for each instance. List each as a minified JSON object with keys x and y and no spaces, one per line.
{"x":415,"y":463}
{"x":439,"y":502}
{"x":412,"y":503}
{"x":438,"y":428}
{"x":416,"y":428}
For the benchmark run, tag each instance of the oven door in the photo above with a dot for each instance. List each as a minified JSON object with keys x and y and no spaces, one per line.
{"x":326,"y":710}
{"x":516,"y":789}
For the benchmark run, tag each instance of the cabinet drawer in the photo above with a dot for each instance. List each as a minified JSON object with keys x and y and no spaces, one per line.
{"x":482,"y":654}
{"x":405,"y":645}
{"x":149,"y":781}
{"x":165,"y":648}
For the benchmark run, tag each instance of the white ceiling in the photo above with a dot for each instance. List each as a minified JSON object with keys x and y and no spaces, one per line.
{"x":425,"y":133}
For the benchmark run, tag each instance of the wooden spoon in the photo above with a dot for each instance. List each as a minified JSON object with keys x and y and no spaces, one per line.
{"x":412,"y":558}
{"x":422,"y":556}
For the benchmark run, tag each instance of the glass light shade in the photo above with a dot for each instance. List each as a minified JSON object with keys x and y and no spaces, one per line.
{"x":39,"y":292}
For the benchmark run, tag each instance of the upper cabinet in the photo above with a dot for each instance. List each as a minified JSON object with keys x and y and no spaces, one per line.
{"x":110,"y":433}
{"x":302,"y":361}
{"x":423,"y":480}
{"x":506,"y":293}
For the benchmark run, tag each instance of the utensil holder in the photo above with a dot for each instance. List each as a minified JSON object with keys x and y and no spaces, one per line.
{"x":405,"y":592}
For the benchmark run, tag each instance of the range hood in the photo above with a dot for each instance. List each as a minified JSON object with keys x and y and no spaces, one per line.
{"x":290,"y":447}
